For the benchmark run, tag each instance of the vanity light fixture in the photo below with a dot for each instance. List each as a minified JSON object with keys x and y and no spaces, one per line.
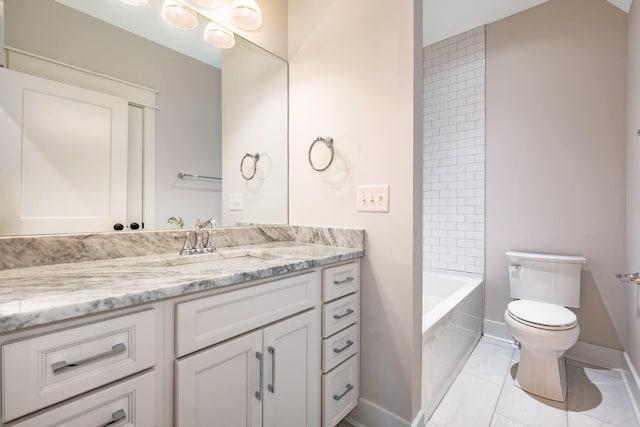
{"x":218,"y":36}
{"x":184,"y":14}
{"x":178,"y":16}
{"x":136,"y":2}
{"x":246,"y":14}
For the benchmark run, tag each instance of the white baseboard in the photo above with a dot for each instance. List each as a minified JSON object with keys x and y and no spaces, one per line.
{"x":496,"y":330}
{"x":632,"y":383}
{"x":595,"y":355}
{"x":419,"y":420}
{"x":368,"y":414}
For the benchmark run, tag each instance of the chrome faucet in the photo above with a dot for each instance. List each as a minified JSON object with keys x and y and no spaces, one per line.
{"x":199,"y":248}
{"x":198,"y":231}
{"x":177,"y":221}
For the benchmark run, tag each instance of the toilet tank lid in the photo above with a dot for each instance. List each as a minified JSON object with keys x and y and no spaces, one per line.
{"x":530,"y":256}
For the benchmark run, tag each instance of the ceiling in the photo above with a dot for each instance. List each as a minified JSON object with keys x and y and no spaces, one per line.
{"x":446,"y":18}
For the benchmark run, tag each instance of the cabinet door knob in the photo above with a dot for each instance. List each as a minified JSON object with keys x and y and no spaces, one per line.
{"x":118,"y":227}
{"x":134,"y":226}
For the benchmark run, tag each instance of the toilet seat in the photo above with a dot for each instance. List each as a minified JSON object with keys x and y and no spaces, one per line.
{"x":542,"y":315}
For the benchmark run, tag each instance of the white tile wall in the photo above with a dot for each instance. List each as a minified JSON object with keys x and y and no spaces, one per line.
{"x":454,"y":153}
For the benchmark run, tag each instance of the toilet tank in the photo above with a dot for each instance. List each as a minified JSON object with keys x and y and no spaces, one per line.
{"x":554,"y":279}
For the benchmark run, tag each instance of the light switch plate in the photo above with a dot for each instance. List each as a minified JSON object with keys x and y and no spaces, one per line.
{"x":235,"y":200}
{"x":372,"y":198}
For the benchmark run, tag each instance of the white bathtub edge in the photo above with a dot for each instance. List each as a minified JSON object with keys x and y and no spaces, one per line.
{"x":470,"y":282}
{"x":369,"y":414}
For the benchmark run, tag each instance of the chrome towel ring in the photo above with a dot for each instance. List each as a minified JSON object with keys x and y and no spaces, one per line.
{"x":254,"y":158}
{"x":329,"y":143}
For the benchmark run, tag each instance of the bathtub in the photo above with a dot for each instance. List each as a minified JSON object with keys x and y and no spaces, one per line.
{"x":451,"y":327}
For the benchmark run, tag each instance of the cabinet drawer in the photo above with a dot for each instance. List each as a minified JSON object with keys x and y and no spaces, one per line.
{"x":340,"y":280}
{"x":339,"y":314}
{"x":340,"y":392}
{"x":43,"y":370}
{"x":340,"y":347}
{"x":206,"y":321}
{"x":130,"y":403}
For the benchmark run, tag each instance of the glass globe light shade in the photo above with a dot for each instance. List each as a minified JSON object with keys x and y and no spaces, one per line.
{"x":246,"y":14}
{"x":178,"y":16}
{"x":218,"y":37}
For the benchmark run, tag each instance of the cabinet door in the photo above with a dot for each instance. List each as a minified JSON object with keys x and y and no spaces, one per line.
{"x":220,"y":387}
{"x":292,"y":372}
{"x":64,"y":157}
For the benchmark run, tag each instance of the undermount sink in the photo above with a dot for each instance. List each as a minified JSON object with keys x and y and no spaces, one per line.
{"x":203,"y":262}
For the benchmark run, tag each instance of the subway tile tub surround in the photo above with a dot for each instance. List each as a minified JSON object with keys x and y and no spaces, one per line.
{"x":454,"y":148}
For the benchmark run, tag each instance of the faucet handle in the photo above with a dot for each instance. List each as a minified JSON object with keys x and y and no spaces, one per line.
{"x":203,"y":224}
{"x":210,"y":246}
{"x":187,"y":247}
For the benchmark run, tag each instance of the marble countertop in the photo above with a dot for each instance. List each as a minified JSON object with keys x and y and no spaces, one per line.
{"x":38,"y":295}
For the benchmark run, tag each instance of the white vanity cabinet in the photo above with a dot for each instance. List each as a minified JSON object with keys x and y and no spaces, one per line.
{"x":340,"y":341}
{"x":269,"y":378}
{"x":275,"y":352}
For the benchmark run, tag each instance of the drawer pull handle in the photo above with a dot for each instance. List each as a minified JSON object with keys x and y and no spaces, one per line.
{"x":340,"y":282}
{"x":62,"y":366}
{"x":340,"y":396}
{"x":119,"y":415}
{"x":259,"y":392}
{"x":341,"y":316}
{"x":346,"y":346}
{"x":272,"y":387}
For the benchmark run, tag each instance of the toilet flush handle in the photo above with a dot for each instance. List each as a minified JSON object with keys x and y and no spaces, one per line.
{"x":516,"y":266}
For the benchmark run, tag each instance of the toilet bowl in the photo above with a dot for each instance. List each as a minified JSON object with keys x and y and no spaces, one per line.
{"x":545,"y":331}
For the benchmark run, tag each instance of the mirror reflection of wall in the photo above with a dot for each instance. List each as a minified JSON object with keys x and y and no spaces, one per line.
{"x":251,"y":87}
{"x":188,"y":128}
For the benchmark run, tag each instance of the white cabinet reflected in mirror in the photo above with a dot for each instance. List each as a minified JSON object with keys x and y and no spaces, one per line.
{"x":65,"y":174}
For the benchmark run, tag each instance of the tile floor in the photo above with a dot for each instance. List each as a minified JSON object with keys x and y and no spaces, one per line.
{"x":483,"y":395}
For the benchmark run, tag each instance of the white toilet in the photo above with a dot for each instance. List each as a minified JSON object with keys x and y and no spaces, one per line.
{"x":543,"y":285}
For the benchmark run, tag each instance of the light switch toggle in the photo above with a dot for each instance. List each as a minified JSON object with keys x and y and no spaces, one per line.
{"x":372,"y":198}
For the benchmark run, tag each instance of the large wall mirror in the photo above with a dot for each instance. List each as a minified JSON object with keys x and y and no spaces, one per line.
{"x":217,"y":118}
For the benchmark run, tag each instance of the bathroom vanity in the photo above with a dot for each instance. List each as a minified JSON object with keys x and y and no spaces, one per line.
{"x":261,"y":334}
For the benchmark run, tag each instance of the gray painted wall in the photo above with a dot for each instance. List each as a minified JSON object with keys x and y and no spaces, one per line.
{"x":556,"y":108}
